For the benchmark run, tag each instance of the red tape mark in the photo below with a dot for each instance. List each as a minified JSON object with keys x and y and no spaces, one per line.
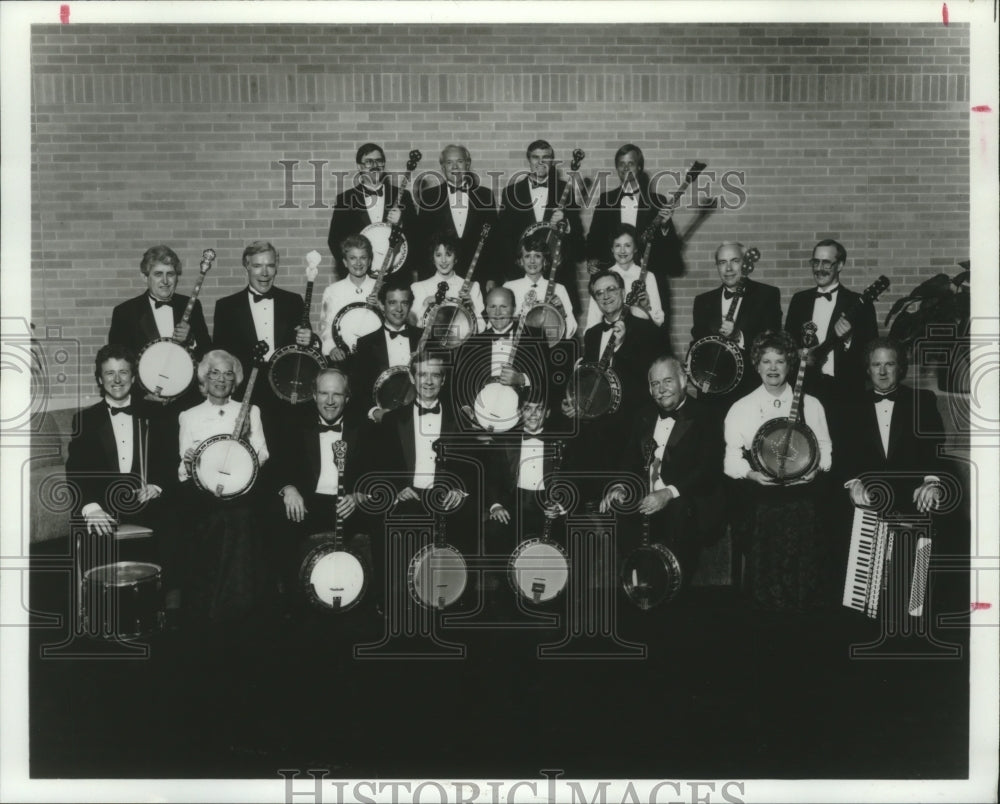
{"x":944,"y":13}
{"x":980,"y":606}
{"x":981,"y":109}
{"x":64,"y":15}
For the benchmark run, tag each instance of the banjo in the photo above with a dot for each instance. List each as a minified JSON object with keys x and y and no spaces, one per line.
{"x":650,"y":574}
{"x":332,"y":577}
{"x":598,"y":386}
{"x":452,"y":321}
{"x":538,"y":569}
{"x":394,"y":387}
{"x":715,"y":363}
{"x":292,"y":369}
{"x":380,"y":234}
{"x":555,"y":232}
{"x":786,"y":449}
{"x":437,"y":574}
{"x":226,"y":465}
{"x":166,"y":367}
{"x":496,"y":405}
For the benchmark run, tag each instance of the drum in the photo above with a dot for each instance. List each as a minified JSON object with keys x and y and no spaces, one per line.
{"x":166,"y":368}
{"x":451,"y":324}
{"x":496,"y":407}
{"x":123,"y":600}
{"x":785,"y":450}
{"x":599,"y":391}
{"x":292,"y":373}
{"x":353,"y":322}
{"x":394,"y":388}
{"x":437,"y":576}
{"x":651,"y":575}
{"x":378,"y":236}
{"x":715,"y":364}
{"x":225,"y":466}
{"x":538,"y":570}
{"x":332,"y":578}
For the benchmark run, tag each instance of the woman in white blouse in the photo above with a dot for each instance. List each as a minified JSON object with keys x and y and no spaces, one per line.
{"x":534,"y":259}
{"x":624,"y":248}
{"x":444,"y":256}
{"x":225,"y":567}
{"x":787,"y":558}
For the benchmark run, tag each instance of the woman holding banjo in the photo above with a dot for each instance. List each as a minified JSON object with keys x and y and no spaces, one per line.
{"x":225,"y":567}
{"x":778,"y":442}
{"x":443,"y":249}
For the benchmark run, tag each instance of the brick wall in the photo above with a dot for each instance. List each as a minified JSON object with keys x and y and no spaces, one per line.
{"x":170,"y":133}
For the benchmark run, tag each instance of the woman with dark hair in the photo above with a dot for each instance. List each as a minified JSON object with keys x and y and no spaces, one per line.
{"x":787,"y":549}
{"x":443,"y":249}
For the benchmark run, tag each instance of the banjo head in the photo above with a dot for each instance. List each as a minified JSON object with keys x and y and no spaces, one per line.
{"x":651,"y":575}
{"x":784,"y":452}
{"x":225,"y":466}
{"x":437,"y":576}
{"x":496,"y":407}
{"x":166,"y":368}
{"x":394,"y":388}
{"x":451,"y":324}
{"x":352,"y":323}
{"x":292,"y":373}
{"x":538,"y":570}
{"x":715,"y":364}
{"x":547,"y":319}
{"x":378,"y":236}
{"x":597,"y":392}
{"x":332,"y":579}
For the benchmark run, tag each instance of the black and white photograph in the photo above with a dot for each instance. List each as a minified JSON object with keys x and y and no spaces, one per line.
{"x":499,"y":402}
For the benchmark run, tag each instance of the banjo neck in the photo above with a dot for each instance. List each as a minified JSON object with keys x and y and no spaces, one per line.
{"x":649,"y":451}
{"x":259,"y":350}
{"x":414,"y":159}
{"x":692,"y":174}
{"x":870,"y":294}
{"x":483,"y":234}
{"x":519,"y":331}
{"x":557,"y":456}
{"x":307,"y":304}
{"x":207,"y":258}
{"x":564,"y":196}
{"x":795,"y":414}
{"x":605,"y":362}
{"x":339,"y":458}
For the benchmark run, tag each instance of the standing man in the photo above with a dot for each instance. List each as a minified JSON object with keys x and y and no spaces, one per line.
{"x":260,"y":312}
{"x":633,"y":202}
{"x":459,"y":207}
{"x":532,"y":199}
{"x":372,"y":199}
{"x":841,"y":375}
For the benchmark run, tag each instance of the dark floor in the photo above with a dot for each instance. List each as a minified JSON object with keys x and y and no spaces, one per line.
{"x":703,"y":688}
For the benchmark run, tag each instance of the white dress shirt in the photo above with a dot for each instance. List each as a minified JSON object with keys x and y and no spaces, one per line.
{"x":531,"y":464}
{"x":375,"y":202}
{"x":661,"y":432}
{"x":426,"y":431}
{"x":459,"y":203}
{"x":736,"y":311}
{"x":122,"y":427}
{"x":883,"y":413}
{"x":398,"y":348}
{"x":630,"y":273}
{"x":520,"y":288}
{"x":629,"y":207}
{"x":208,"y":419}
{"x":164,"y":318}
{"x":746,"y":416}
{"x":539,"y":200}
{"x":335,"y":298}
{"x":262,"y":313}
{"x":500,"y":349}
{"x":328,"y":475}
{"x":425,"y":290}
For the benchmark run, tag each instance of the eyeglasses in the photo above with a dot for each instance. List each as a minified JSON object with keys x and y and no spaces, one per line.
{"x":215,"y":374}
{"x":370,"y":163}
{"x":823,"y":263}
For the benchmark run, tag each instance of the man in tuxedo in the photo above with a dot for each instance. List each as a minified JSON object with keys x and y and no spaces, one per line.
{"x":123,"y":459}
{"x":487,"y":356}
{"x":675,"y":452}
{"x":372,"y":199}
{"x":758,"y":309}
{"x":306,"y":478}
{"x":532,"y":199}
{"x":840,"y":377}
{"x":157,"y":313}
{"x":460,"y":206}
{"x":261,"y":312}
{"x":633,"y":202}
{"x":392,"y":345}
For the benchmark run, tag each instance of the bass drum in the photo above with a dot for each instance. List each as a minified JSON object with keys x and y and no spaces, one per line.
{"x":332,"y":579}
{"x":123,"y":600}
{"x":599,"y":391}
{"x":651,"y":575}
{"x":292,"y":373}
{"x":394,"y":388}
{"x":785,"y":450}
{"x":437,"y":576}
{"x":538,"y":570}
{"x":166,"y":368}
{"x":451,"y":324}
{"x":378,"y":236}
{"x":225,"y":466}
{"x":496,"y":407}
{"x":715,"y":364}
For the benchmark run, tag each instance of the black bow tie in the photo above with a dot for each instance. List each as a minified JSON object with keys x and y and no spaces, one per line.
{"x":393,"y":333}
{"x":115,"y":411}
{"x":421,"y":410}
{"x":452,"y":189}
{"x":536,"y":184}
{"x":259,"y":297}
{"x":727,"y":294}
{"x":369,"y":191}
{"x":627,"y":194}
{"x":331,"y":428}
{"x":828,"y":296}
{"x":876,"y":397}
{"x":157,"y":304}
{"x":497,"y":335}
{"x":605,"y":326}
{"x":668,"y":415}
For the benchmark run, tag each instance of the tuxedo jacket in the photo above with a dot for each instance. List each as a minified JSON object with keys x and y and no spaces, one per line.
{"x":607,"y":217}
{"x":370,"y":359}
{"x":350,"y":216}
{"x":92,"y":462}
{"x":234,"y":330}
{"x":849,"y":371}
{"x":643,"y":343}
{"x":501,"y":481}
{"x":435,"y":217}
{"x":133,"y":325}
{"x":759,"y":311}
{"x":517,"y":214}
